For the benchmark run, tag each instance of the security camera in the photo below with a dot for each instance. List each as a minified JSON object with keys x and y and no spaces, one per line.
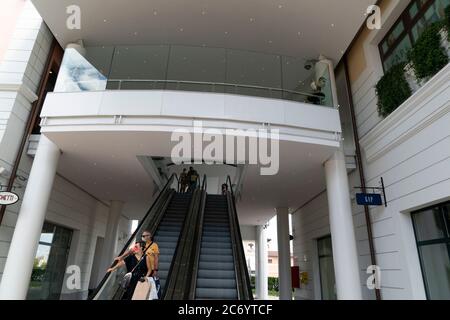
{"x":308,"y":65}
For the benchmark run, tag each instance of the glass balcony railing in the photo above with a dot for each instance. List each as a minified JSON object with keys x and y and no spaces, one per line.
{"x":171,"y":67}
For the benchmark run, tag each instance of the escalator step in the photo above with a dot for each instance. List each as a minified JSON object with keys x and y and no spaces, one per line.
{"x":215,"y":258}
{"x":216,"y":251}
{"x":209,"y":233}
{"x":216,"y":239}
{"x":216,"y":283}
{"x":210,"y":293}
{"x":219,"y":245}
{"x":218,"y":274}
{"x":206,"y":265}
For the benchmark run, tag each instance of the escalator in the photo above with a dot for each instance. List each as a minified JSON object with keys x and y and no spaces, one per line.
{"x":168,"y":233}
{"x":164,"y":220}
{"x":219,"y":265}
{"x":216,"y":277}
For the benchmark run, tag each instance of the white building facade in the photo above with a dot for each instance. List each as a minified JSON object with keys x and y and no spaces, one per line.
{"x":87,"y":123}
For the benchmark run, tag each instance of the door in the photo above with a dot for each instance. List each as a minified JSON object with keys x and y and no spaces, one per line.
{"x":326,"y":266}
{"x":50,"y":263}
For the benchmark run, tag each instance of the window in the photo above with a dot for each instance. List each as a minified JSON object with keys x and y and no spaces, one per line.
{"x":432,"y":230}
{"x":405,"y":32}
{"x":50,"y":263}
{"x":326,"y":267}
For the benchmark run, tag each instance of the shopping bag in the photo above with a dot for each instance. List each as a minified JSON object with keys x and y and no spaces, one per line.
{"x":153,"y":294}
{"x":142,"y":290}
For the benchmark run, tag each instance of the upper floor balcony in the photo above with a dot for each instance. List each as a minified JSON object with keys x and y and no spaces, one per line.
{"x":202,"y":69}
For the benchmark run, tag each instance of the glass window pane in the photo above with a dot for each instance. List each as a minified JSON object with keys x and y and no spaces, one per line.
{"x":429,"y":224}
{"x":78,"y":74}
{"x":253,"y":69}
{"x":197,"y":64}
{"x":100,"y":58}
{"x":324,"y":246}
{"x":399,"y":54}
{"x":50,"y":263}
{"x":436,"y":269}
{"x":140,"y":63}
{"x":413,"y":10}
{"x":327,"y":279}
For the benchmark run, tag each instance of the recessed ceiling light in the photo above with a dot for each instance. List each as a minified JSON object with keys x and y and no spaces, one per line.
{"x":252,"y":19}
{"x":299,"y":33}
{"x":332,"y":25}
{"x":155,"y":13}
{"x":104,"y":20}
{"x":181,"y":29}
{"x":226,"y":32}
{"x":203,"y":12}
{"x":280,"y":6}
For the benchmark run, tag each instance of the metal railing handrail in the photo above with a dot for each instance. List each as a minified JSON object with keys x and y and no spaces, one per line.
{"x":242,"y":264}
{"x":133,"y":236}
{"x":227,"y":84}
{"x":244,"y":288}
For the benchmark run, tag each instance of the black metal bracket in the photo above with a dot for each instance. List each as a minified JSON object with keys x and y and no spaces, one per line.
{"x":377,"y":188}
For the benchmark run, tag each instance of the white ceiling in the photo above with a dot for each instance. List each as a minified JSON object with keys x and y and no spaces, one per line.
{"x":105,"y":165}
{"x":295,"y":28}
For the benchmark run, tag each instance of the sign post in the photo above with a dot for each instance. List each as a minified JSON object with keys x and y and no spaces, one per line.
{"x":371,"y":199}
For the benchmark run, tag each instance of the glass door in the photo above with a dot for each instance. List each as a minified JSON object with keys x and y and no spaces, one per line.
{"x":326,"y":266}
{"x":50,"y":263}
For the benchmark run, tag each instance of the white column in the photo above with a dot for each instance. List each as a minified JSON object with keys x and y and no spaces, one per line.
{"x":345,"y":256}
{"x":110,"y":242}
{"x":24,"y":243}
{"x":284,"y":254}
{"x":261,"y":263}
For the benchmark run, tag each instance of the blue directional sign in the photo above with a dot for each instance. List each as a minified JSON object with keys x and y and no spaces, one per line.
{"x":369,"y":199}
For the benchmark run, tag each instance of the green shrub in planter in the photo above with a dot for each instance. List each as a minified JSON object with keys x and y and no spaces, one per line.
{"x":392,"y":90}
{"x":427,"y":54}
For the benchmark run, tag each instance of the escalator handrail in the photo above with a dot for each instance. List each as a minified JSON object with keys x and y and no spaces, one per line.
{"x":133,"y":236}
{"x":241,"y":254}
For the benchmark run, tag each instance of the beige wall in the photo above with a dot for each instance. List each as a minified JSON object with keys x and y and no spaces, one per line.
{"x":9,"y":13}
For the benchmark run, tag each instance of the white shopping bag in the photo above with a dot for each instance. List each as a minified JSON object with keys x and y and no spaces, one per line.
{"x":153,"y":294}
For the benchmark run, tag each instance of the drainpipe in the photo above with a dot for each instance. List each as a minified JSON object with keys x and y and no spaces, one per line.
{"x":361,"y":172}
